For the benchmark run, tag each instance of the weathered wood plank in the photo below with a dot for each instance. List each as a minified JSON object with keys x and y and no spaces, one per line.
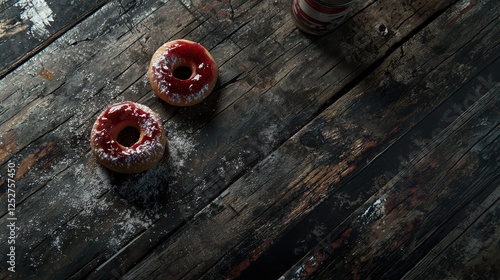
{"x":207,"y":152}
{"x":424,"y":205}
{"x":470,"y":250}
{"x":60,"y":148}
{"x":27,"y":27}
{"x":82,"y":88}
{"x":255,"y":199}
{"x":335,"y":212}
{"x":353,"y":198}
{"x":145,"y":238}
{"x":69,"y":180}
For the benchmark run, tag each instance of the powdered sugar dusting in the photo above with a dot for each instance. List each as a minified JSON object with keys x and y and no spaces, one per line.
{"x":86,"y":199}
{"x":131,"y":221}
{"x":269,"y":136}
{"x":188,"y":54}
{"x":181,"y":147}
{"x":163,"y":67}
{"x":108,"y":150}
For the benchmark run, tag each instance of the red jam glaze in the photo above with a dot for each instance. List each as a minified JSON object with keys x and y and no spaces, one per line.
{"x":116,"y":114}
{"x":186,"y":54}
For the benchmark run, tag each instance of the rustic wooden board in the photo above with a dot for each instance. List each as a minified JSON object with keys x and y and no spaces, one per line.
{"x":209,"y":209}
{"x":26,"y":28}
{"x":470,"y":250}
{"x":252,"y":209}
{"x":456,"y":158}
{"x":307,"y":234}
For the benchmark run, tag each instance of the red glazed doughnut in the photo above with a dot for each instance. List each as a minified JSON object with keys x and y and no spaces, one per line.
{"x":182,"y":73}
{"x":128,"y":138}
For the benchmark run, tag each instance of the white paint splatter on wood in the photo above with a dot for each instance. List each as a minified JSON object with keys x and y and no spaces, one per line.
{"x":40,"y":15}
{"x":186,"y":3}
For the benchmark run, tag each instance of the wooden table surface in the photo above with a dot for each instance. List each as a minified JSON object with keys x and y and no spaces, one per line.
{"x":369,"y":153}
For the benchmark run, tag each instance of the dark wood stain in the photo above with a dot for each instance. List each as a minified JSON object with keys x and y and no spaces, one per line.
{"x":371,"y":152}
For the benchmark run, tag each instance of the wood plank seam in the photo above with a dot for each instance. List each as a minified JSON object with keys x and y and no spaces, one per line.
{"x":470,"y":149}
{"x":48,"y":41}
{"x":452,"y":237}
{"x":240,"y":74}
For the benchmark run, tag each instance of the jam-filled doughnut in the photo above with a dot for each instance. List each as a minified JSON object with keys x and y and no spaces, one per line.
{"x":182,"y":72}
{"x":128,"y":137}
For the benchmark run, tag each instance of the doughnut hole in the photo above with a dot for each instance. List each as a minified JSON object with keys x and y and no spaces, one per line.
{"x":127,"y":134}
{"x":184,"y":71}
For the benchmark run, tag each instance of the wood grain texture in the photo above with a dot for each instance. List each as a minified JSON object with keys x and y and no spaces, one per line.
{"x":345,"y":198}
{"x":258,"y":237}
{"x":26,"y":27}
{"x":282,"y":157}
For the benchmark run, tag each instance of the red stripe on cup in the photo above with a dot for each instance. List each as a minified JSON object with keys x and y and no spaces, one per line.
{"x":325,"y":9}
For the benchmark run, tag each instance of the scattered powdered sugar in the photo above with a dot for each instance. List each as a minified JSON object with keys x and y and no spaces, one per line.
{"x":131,"y":222}
{"x":121,"y":226}
{"x":138,"y":156}
{"x":270,"y":133}
{"x":230,"y":166}
{"x":82,"y":200}
{"x":145,"y":190}
{"x":191,"y":97}
{"x":269,"y":136}
{"x":56,"y":243}
{"x":86,"y":198}
{"x":180,"y":146}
